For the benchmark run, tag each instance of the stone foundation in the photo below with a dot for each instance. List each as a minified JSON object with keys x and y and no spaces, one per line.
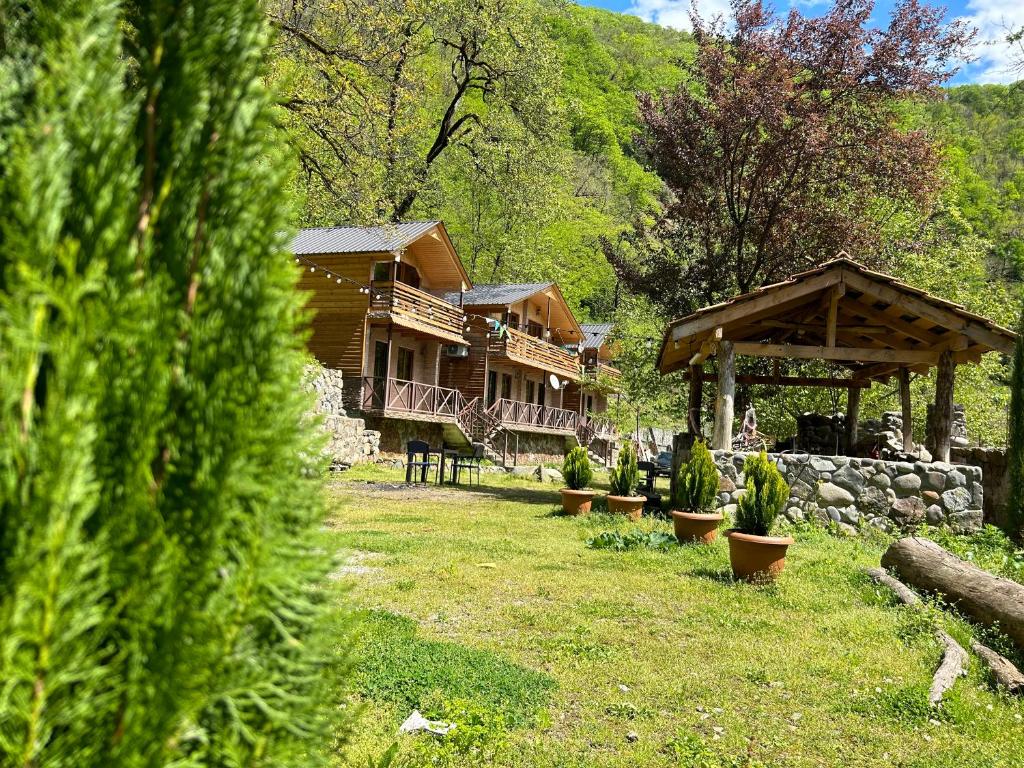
{"x":535,"y":449}
{"x":395,"y":434}
{"x":851,"y":492}
{"x":996,"y":482}
{"x":349,"y":441}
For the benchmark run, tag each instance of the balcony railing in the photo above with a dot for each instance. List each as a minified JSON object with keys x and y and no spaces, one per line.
{"x":518,"y":414}
{"x":391,"y":395}
{"x":523,"y":348}
{"x":418,"y":309}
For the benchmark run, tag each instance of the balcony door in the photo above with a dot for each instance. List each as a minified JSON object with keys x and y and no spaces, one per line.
{"x":492,"y":387}
{"x":506,"y":386}
{"x":380,"y":373}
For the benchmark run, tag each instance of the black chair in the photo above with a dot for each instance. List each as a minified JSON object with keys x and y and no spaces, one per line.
{"x":471,"y":462}
{"x":647,"y":487}
{"x":417,"y":454}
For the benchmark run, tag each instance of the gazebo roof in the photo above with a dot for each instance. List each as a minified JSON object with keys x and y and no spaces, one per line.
{"x":867,"y":321}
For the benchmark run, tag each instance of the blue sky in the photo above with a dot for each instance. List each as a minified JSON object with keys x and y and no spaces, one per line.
{"x":990,"y":17}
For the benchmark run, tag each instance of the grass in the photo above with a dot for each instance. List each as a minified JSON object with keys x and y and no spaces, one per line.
{"x":490,"y":609}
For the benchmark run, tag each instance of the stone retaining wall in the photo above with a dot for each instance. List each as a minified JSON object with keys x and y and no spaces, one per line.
{"x":996,"y":470}
{"x":349,"y":441}
{"x":851,"y":491}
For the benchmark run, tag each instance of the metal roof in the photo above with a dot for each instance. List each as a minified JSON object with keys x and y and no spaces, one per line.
{"x":500,"y":294}
{"x":594,"y":334}
{"x":382,"y":239}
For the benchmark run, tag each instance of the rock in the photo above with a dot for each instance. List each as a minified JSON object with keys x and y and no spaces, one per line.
{"x":924,"y":454}
{"x":934,"y":515}
{"x":903,"y":467}
{"x":906,"y":485}
{"x":930,"y":497}
{"x":883,"y":524}
{"x":734,"y":497}
{"x":943,"y":467}
{"x":728,"y":470}
{"x":850,"y":515}
{"x":801,"y":490}
{"x":846,"y":529}
{"x":524,"y":471}
{"x":933,"y":481}
{"x":880,"y":480}
{"x":549,"y":475}
{"x":956,"y":500}
{"x":795,"y":514}
{"x":978,"y":495}
{"x":829,"y":494}
{"x":729,"y":510}
{"x":726,"y":484}
{"x":967,"y":520}
{"x":849,"y":478}
{"x":956,"y":479}
{"x":632,"y":737}
{"x":723,"y":498}
{"x":819,"y":464}
{"x":873,"y":501}
{"x":833,"y":514}
{"x":907,"y":512}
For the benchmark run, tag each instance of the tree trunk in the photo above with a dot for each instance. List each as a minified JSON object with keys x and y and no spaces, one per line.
{"x":722,"y":438}
{"x":908,"y":415}
{"x":1003,"y":670}
{"x":942,"y":416}
{"x":693,"y":408}
{"x":986,"y":598}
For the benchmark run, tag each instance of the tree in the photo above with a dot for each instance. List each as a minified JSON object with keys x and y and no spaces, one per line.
{"x":381,"y":93}
{"x":157,"y":501}
{"x":1016,"y":432}
{"x":786,"y":145}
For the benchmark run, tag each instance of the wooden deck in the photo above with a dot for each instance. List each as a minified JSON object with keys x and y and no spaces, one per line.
{"x":520,"y":348}
{"x":417,"y":310}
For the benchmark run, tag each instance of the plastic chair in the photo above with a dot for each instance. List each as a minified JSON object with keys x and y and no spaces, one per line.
{"x":417,"y":455}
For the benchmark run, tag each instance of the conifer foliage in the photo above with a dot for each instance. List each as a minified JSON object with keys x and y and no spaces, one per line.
{"x":156,"y":496}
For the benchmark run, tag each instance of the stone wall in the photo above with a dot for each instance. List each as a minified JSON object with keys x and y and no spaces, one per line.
{"x":851,"y":492}
{"x":535,"y":448}
{"x":395,"y":434}
{"x":349,"y":441}
{"x":996,"y":473}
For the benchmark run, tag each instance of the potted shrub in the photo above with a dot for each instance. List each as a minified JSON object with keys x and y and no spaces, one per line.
{"x":624,"y":479}
{"x":576,"y":470}
{"x":756,"y":556}
{"x":693,"y":515}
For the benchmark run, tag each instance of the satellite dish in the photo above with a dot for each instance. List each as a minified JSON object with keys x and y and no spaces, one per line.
{"x":554,"y":382}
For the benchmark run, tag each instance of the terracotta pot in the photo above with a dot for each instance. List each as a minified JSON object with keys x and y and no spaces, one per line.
{"x":757,"y":558}
{"x":696,"y":526}
{"x":630,"y":506}
{"x":576,"y":502}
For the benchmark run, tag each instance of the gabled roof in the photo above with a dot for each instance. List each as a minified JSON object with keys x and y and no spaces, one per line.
{"x":875,"y":322}
{"x":595,"y":334}
{"x":380,"y":239}
{"x":499,"y":294}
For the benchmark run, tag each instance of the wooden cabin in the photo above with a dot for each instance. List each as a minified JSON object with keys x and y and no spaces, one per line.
{"x":523,"y":341}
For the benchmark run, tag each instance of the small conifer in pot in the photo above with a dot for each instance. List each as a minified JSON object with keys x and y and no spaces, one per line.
{"x":576,"y":470}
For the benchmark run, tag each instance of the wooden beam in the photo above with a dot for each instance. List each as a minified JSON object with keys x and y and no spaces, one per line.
{"x":938,"y":315}
{"x":907,"y":412}
{"x":833,"y":314}
{"x":790,"y":381}
{"x":767,"y":301}
{"x":886,"y":369}
{"x":942,"y":415}
{"x":852,"y":354}
{"x":707,"y":347}
{"x":840,"y":327}
{"x":852,"y":416}
{"x":724,"y":404}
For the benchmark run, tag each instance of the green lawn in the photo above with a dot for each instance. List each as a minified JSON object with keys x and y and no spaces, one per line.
{"x":490,"y":609}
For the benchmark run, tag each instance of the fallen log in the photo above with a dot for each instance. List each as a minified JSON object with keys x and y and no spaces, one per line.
{"x":985,"y":598}
{"x":1003,"y":670}
{"x":954,"y":657}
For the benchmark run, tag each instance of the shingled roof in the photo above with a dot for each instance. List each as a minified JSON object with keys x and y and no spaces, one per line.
{"x":382,"y":239}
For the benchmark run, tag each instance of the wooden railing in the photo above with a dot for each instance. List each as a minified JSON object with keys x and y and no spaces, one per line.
{"x":411,"y":396}
{"x":605,"y":370}
{"x":405,"y":302}
{"x":524,"y":348}
{"x":516,"y":413}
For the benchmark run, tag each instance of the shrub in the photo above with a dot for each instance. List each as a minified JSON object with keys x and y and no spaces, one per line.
{"x":576,"y":469}
{"x":697,"y":481}
{"x":625,"y":477}
{"x":764,"y":498}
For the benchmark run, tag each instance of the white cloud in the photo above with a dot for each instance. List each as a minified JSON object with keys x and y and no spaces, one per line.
{"x":676,"y":13}
{"x":994,"y":19}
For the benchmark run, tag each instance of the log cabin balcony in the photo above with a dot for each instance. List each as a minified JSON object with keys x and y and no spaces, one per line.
{"x":601,"y":370}
{"x":411,"y":400}
{"x":530,"y":417}
{"x":417,"y":310}
{"x":521,"y":349}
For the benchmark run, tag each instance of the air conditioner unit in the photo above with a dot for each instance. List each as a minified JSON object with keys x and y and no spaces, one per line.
{"x":456,"y":350}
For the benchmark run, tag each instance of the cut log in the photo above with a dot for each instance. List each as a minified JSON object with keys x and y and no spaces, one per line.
{"x":1003,"y":670}
{"x":985,"y":598}
{"x":954,"y":657}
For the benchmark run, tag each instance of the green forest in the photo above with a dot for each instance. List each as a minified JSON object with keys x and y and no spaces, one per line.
{"x":517,"y":124}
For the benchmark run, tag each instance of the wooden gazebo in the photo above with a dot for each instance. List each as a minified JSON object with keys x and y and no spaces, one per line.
{"x":869,"y":323}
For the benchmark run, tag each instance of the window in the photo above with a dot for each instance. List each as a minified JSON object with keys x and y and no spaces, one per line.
{"x":531,"y":391}
{"x":381,"y":271}
{"x":535,"y":329}
{"x":409,"y":275}
{"x":492,"y":387}
{"x":506,"y":386}
{"x":405,"y":363}
{"x":513,"y":320}
{"x":541,"y":394}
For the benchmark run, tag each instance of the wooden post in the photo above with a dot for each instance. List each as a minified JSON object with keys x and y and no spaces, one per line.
{"x":908,"y":416}
{"x":833,"y":313}
{"x":724,"y":405}
{"x":852,"y":415}
{"x":942,"y":416}
{"x":693,"y":408}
